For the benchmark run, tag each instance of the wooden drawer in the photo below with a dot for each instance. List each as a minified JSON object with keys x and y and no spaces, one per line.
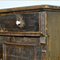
{"x":20,"y":22}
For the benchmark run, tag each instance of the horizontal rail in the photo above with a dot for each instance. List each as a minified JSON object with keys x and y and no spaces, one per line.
{"x":18,"y":44}
{"x":20,"y":34}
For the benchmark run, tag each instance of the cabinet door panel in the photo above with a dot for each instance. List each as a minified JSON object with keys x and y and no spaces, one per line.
{"x":22,"y":48}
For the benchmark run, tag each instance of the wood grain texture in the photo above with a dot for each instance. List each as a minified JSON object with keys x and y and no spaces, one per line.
{"x":32,"y":8}
{"x":54,"y":35}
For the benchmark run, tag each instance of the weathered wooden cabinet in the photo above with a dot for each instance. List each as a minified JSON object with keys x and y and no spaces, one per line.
{"x":30,"y":33}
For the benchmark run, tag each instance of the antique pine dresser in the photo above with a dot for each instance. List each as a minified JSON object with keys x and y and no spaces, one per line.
{"x":30,"y":33}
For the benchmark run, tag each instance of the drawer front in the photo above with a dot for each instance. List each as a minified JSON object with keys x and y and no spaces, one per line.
{"x":24,"y":40}
{"x":19,"y":22}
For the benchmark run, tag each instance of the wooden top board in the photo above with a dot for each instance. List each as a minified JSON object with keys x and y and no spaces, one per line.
{"x":37,"y":8}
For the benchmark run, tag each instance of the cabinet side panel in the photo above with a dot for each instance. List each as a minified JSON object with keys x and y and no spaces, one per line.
{"x":54,"y":35}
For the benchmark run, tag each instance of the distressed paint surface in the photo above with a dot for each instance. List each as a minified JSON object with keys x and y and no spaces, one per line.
{"x":22,"y":48}
{"x":8,"y":22}
{"x":54,"y":35}
{"x":31,"y":28}
{"x":32,"y":21}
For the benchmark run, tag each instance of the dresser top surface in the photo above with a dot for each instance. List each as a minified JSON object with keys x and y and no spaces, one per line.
{"x":37,"y":7}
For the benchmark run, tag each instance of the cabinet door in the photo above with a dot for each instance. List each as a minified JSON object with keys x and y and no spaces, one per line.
{"x":54,"y":35}
{"x":22,"y":48}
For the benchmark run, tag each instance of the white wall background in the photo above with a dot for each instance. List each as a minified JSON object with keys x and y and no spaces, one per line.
{"x":18,"y":3}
